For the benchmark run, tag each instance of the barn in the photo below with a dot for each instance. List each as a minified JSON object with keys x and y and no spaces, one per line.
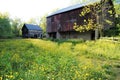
{"x":60,"y":24}
{"x":31,"y":31}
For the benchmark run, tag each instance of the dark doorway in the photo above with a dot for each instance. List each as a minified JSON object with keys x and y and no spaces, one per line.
{"x":92,"y":35}
{"x":53,"y":35}
{"x":35,"y":36}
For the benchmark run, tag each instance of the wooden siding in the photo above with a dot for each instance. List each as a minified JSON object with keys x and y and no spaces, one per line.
{"x":64,"y":22}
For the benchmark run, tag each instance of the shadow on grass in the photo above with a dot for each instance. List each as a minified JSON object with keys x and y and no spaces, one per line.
{"x":60,"y":41}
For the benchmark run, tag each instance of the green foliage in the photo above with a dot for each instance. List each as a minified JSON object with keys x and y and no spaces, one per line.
{"x":33,"y":59}
{"x":112,"y":32}
{"x":89,"y":25}
{"x":5,"y":28}
{"x":116,"y":30}
{"x":85,"y":11}
{"x":9,"y":28}
{"x":16,"y":25}
{"x":35,"y":20}
{"x":43,"y":23}
{"x":117,"y":8}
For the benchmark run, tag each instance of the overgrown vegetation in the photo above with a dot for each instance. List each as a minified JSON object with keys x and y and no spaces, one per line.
{"x":33,"y":59}
{"x":116,"y":30}
{"x":5,"y":28}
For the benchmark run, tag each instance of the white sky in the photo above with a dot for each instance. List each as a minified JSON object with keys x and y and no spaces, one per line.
{"x":26,"y":9}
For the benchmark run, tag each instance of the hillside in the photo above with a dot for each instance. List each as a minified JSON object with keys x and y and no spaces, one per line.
{"x":34,"y":59}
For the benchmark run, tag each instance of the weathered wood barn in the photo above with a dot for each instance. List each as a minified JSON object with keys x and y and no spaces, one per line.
{"x":31,"y":31}
{"x":60,"y":23}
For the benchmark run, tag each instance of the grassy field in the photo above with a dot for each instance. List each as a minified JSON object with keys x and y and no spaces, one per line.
{"x":35,"y":59}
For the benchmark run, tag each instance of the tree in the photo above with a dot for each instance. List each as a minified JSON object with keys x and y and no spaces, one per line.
{"x":116,"y":30}
{"x":5,"y":27}
{"x":35,"y":20}
{"x":16,"y":25}
{"x":117,"y":20}
{"x":98,"y":20}
{"x":43,"y":23}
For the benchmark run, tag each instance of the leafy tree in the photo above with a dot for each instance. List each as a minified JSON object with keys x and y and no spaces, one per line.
{"x":117,"y":9}
{"x":35,"y":20}
{"x":98,"y":18}
{"x":116,"y":30}
{"x":16,"y":25}
{"x":5,"y":27}
{"x":43,"y":23}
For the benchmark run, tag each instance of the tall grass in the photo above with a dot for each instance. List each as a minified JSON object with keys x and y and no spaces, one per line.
{"x":33,"y":59}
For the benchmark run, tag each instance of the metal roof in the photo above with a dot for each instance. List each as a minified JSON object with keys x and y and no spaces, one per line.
{"x":72,"y":7}
{"x":32,"y":27}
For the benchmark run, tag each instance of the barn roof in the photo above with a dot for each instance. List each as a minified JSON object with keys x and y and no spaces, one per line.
{"x":72,"y":7}
{"x":32,"y":27}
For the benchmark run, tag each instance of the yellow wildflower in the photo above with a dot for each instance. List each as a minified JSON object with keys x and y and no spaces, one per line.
{"x":0,"y":78}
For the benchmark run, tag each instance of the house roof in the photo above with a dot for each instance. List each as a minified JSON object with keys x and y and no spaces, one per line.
{"x":72,"y":7}
{"x":32,"y":27}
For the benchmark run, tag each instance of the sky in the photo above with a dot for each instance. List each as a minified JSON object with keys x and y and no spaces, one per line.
{"x":26,"y":9}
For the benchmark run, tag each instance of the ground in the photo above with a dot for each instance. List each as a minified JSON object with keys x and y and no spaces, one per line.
{"x":36,"y":59}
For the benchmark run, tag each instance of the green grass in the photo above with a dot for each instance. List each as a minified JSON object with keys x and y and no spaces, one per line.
{"x":34,"y":59}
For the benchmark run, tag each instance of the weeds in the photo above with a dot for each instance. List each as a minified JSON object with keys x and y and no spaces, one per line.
{"x":33,"y":59}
